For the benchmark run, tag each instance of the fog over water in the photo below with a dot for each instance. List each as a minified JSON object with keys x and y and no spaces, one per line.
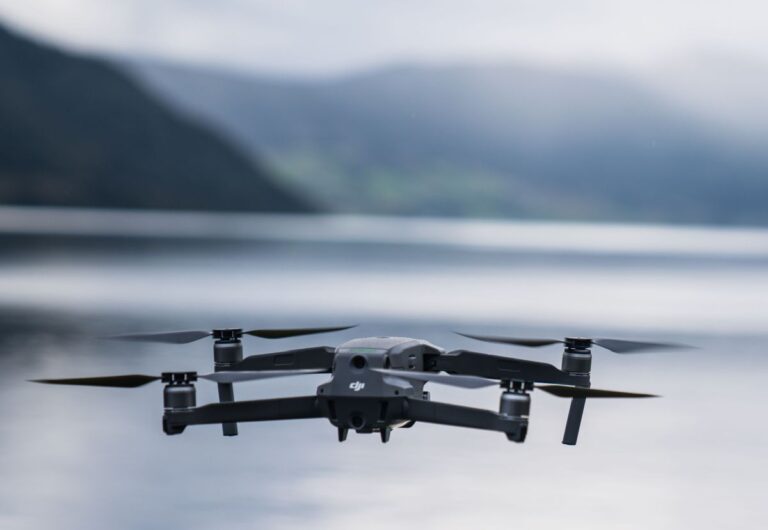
{"x":95,"y":458}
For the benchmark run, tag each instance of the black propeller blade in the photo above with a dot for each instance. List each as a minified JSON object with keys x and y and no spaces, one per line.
{"x":531,"y":343}
{"x":115,"y":381}
{"x":462,"y":381}
{"x":632,"y":346}
{"x":614,"y":345}
{"x":578,"y":392}
{"x":294,"y":332}
{"x":471,"y":381}
{"x":173,"y":337}
{"x":185,"y":337}
{"x":239,"y":377}
{"x":137,"y":380}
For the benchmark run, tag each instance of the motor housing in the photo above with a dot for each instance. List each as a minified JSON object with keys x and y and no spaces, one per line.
{"x":179,"y":394}
{"x":517,"y":405}
{"x":577,"y":356}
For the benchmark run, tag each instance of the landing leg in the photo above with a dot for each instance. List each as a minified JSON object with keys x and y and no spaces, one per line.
{"x":227,"y":395}
{"x":385,"y":432}
{"x":343,"y":433}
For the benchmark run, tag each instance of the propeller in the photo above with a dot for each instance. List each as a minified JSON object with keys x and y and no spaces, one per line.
{"x":137,"y":380}
{"x":185,"y":337}
{"x":614,"y":345}
{"x":580,"y":392}
{"x":461,"y":381}
{"x":472,"y":381}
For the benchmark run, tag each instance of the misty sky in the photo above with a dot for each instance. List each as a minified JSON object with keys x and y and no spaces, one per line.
{"x":305,"y":36}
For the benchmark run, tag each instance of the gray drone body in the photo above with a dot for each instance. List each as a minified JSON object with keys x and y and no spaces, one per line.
{"x":372,"y":389}
{"x":376,"y":384}
{"x":366,"y":400}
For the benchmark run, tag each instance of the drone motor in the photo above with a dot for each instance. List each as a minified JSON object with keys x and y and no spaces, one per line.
{"x":516,"y":404}
{"x":577,"y":356}
{"x":179,"y":394}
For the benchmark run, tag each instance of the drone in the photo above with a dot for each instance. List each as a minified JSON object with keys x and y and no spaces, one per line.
{"x":376,"y":383}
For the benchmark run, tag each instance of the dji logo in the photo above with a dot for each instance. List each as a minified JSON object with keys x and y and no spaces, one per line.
{"x":357,"y":386}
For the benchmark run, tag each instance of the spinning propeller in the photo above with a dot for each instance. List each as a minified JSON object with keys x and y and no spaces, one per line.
{"x":185,"y":337}
{"x":577,"y":359}
{"x":614,"y":345}
{"x":137,"y":380}
{"x":227,"y":349}
{"x":471,"y":381}
{"x":461,"y":381}
{"x":375,"y":403}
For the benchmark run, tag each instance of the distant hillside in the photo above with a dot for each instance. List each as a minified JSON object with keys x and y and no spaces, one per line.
{"x":492,"y":140}
{"x":76,"y":131}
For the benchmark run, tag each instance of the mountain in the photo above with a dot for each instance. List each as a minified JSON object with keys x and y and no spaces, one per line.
{"x":726,"y":88}
{"x":481,"y":139}
{"x":76,"y":131}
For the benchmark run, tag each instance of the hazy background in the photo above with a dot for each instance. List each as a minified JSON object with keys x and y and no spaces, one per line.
{"x":546,"y":169}
{"x":618,"y":111}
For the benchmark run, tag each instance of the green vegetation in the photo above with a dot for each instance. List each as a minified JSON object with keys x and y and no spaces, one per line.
{"x":487,"y":140}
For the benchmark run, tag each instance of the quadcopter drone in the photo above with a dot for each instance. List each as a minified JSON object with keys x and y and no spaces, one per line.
{"x":376,"y":384}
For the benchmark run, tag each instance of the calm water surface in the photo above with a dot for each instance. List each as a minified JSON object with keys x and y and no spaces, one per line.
{"x":97,"y":458}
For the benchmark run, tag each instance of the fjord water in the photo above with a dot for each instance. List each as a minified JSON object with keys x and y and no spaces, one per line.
{"x":94,"y":458}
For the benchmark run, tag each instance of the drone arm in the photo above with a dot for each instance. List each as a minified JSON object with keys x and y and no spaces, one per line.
{"x":174,"y":421}
{"x":459,"y":416}
{"x":317,"y":358}
{"x":502,"y":368}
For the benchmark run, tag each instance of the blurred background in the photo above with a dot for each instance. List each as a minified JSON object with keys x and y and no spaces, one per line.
{"x":523,"y":168}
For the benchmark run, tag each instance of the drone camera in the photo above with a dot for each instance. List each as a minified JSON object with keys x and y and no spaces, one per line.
{"x":358,"y":362}
{"x":357,"y":421}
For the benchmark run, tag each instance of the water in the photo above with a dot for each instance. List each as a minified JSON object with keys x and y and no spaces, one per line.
{"x":96,"y":458}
